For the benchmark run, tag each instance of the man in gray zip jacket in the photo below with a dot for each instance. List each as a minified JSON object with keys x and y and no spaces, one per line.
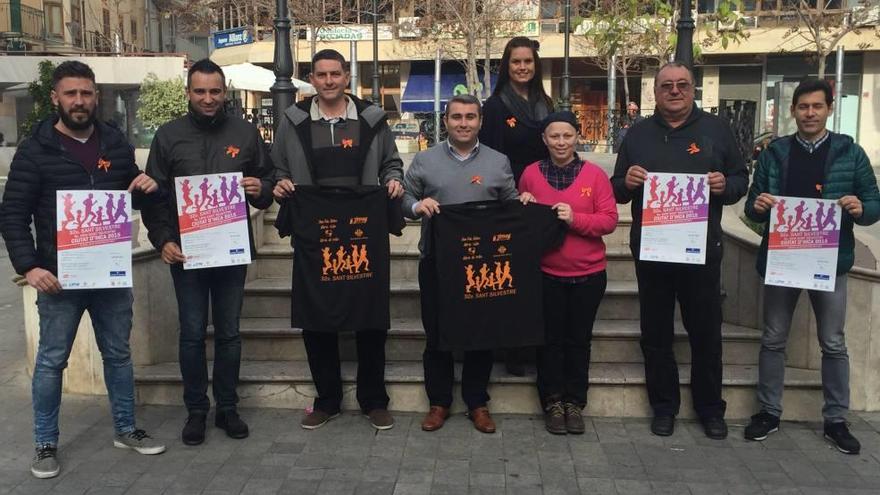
{"x":334,"y":139}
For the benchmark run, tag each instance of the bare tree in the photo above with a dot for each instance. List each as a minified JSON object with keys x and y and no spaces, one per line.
{"x":821,"y":27}
{"x":465,"y":29}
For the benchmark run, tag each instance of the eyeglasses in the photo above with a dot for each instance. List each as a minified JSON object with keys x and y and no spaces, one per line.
{"x":682,"y":86}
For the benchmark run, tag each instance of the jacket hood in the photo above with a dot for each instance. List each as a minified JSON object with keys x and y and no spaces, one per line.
{"x":370,"y":113}
{"x":45,"y":134}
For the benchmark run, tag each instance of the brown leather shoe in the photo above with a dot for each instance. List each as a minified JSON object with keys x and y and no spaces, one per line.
{"x":482,"y":420}
{"x":435,"y":418}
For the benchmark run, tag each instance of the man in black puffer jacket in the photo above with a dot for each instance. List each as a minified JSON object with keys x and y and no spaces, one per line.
{"x":72,"y":151}
{"x":207,"y":141}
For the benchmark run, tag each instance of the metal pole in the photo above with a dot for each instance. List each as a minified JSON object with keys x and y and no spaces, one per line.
{"x":375,"y":91}
{"x":565,"y":104}
{"x":838,"y":88}
{"x":283,"y":90}
{"x":353,"y":59}
{"x":684,"y":48}
{"x":612,"y":98}
{"x":437,"y":65}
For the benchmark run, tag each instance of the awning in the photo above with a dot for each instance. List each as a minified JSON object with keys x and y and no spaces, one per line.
{"x":250,"y":77}
{"x":418,"y":96}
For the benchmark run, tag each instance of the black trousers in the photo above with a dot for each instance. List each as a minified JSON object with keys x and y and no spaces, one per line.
{"x":564,"y":360}
{"x":322,"y":349}
{"x":439,"y":365}
{"x":698,"y":290}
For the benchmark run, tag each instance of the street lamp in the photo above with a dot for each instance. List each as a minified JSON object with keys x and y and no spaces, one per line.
{"x":283,"y":90}
{"x":684,"y":47}
{"x":375,"y":89}
{"x":565,"y":104}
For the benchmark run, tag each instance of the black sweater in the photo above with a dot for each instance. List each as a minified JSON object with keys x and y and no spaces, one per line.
{"x":657,"y":147}
{"x":521,"y":143}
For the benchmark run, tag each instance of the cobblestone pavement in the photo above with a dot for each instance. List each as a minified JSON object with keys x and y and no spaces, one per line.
{"x":615,"y":456}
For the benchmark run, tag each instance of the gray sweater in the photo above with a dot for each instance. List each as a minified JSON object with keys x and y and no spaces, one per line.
{"x":435,"y":173}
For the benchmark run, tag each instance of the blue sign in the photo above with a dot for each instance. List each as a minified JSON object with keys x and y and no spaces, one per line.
{"x":232,"y":37}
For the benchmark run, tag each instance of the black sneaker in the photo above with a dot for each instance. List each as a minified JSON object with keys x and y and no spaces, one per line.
{"x":45,"y":463}
{"x":762,"y":425}
{"x":194,"y":429}
{"x":839,"y":435}
{"x":231,"y":423}
{"x":554,"y":418}
{"x":663,"y":426}
{"x":715,"y":428}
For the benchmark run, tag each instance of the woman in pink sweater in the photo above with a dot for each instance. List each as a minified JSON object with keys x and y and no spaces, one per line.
{"x":574,"y":273}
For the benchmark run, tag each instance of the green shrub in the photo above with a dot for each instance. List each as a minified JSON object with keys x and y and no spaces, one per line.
{"x":160,"y":101}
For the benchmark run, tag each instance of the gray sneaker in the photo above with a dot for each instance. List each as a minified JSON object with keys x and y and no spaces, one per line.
{"x":139,"y":441}
{"x":45,"y":463}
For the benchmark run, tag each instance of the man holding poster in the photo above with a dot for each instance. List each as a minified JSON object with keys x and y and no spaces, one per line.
{"x":72,"y":158}
{"x":667,"y":163}
{"x":206,"y":215}
{"x":829,"y":185}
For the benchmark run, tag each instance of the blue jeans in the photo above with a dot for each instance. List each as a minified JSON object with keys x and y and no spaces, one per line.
{"x":60,"y":314}
{"x":221,"y":290}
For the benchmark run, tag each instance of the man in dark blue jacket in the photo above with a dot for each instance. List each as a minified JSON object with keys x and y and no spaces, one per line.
{"x":72,"y":151}
{"x":819,"y":164}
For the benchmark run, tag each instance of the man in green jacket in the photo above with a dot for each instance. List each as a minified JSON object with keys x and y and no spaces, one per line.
{"x":813,"y":163}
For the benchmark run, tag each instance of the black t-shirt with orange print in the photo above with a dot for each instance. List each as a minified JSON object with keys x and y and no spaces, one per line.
{"x":487,"y":257}
{"x":341,"y":256}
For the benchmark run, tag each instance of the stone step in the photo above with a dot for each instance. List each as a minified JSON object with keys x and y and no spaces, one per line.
{"x":614,"y":341}
{"x":271,"y":296}
{"x":617,"y":239}
{"x":275,"y":261}
{"x":616,"y":389}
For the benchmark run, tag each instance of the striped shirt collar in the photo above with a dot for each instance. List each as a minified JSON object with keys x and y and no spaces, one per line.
{"x":459,"y":157}
{"x":811,"y":146}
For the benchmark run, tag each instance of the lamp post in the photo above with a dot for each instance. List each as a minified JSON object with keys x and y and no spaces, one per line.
{"x":565,"y":104}
{"x":283,"y":90}
{"x":684,"y":47}
{"x":375,"y":90}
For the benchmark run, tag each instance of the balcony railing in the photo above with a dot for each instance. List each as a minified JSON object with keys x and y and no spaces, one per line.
{"x":21,"y":22}
{"x":98,"y":43}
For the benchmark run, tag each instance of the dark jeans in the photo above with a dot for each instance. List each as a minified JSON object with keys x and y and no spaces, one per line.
{"x":439,"y":365}
{"x":322,"y":349}
{"x":222,"y":290}
{"x":698,"y":290}
{"x":564,"y":360}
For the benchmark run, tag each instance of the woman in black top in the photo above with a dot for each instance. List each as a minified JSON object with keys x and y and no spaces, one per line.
{"x":512,"y":119}
{"x":512,"y":115}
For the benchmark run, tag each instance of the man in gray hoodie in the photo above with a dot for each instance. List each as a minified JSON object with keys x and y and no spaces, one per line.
{"x":335,"y":139}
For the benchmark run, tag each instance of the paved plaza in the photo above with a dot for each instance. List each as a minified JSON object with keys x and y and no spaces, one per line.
{"x":615,"y":456}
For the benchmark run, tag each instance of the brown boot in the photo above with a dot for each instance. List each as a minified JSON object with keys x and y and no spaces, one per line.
{"x":435,"y":418}
{"x":482,"y":420}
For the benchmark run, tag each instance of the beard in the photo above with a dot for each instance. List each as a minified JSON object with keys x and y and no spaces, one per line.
{"x":76,"y":125}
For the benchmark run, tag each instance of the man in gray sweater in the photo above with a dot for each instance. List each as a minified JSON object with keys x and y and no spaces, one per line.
{"x":458,"y":170}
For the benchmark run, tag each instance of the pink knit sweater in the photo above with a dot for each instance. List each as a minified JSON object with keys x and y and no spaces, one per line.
{"x":595,"y":214}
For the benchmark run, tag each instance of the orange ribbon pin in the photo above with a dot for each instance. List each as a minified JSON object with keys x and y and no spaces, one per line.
{"x":511,"y":122}
{"x":586,"y":191}
{"x":232,"y":151}
{"x":477,"y":180}
{"x":104,"y":164}
{"x":347,"y":143}
{"x":693,"y":149}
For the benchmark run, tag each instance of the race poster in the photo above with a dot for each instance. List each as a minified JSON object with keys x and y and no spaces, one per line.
{"x":93,"y":239}
{"x":212,"y":214}
{"x":675,"y":218}
{"x":802,"y":243}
